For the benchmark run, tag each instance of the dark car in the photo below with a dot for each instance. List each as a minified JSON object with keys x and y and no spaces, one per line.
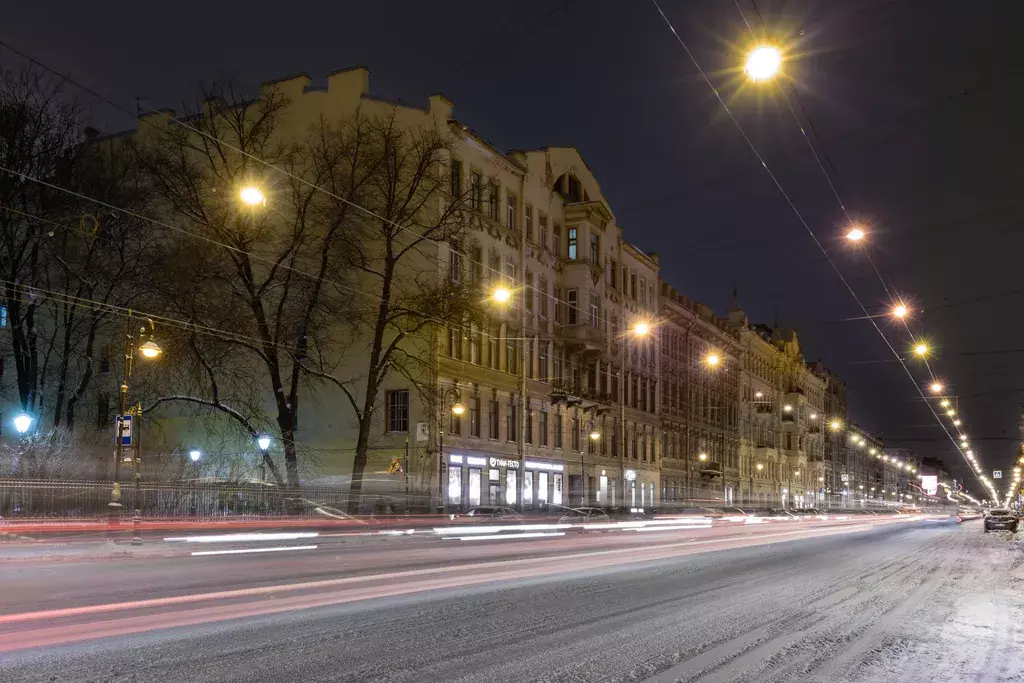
{"x":1001,"y":518}
{"x":588,"y":515}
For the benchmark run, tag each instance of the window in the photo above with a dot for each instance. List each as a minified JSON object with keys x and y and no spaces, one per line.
{"x":632,"y":285}
{"x":556,"y":364}
{"x":558,"y":430}
{"x":595,"y":307}
{"x":493,"y":426}
{"x":454,"y":424}
{"x":492,"y":201}
{"x":455,"y":343}
{"x":510,"y":419}
{"x":456,"y":178}
{"x":543,"y":428}
{"x":477,"y":190}
{"x":542,"y":361}
{"x":102,"y":411}
{"x":529,"y":357}
{"x":572,"y":303}
{"x":474,"y":345}
{"x":529,"y":222}
{"x":494,"y":269}
{"x":510,"y":271}
{"x":511,"y":351}
{"x":643,"y":292}
{"x":478,"y":265}
{"x":398,"y":410}
{"x":454,"y":262}
{"x":530,"y":293}
{"x":575,"y":435}
{"x":529,"y":426}
{"x":572,"y":244}
{"x":557,"y":295}
{"x":104,"y":358}
{"x":650,"y":295}
{"x":510,"y":211}
{"x":556,"y":240}
{"x":474,"y":416}
{"x":595,"y":248}
{"x":574,"y":192}
{"x":613,"y":272}
{"x":542,"y":221}
{"x":542,"y":297}
{"x":493,"y":339}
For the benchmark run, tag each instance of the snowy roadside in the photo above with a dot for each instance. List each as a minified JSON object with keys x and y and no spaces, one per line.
{"x":970,"y":627}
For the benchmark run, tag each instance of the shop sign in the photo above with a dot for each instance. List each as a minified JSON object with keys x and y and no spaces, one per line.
{"x":546,"y":466}
{"x":504,"y":462}
{"x":475,"y":461}
{"x":629,"y":475}
{"x":455,"y":459}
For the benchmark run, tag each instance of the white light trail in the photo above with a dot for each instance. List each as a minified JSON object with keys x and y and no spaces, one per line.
{"x":243,"y":551}
{"x":241,"y":538}
{"x":504,"y":537}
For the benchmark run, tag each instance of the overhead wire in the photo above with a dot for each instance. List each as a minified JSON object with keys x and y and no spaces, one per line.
{"x":793,"y":207}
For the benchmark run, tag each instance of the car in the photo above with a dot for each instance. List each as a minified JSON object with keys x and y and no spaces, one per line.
{"x":494,"y":512}
{"x":585,"y":515}
{"x":1001,"y":518}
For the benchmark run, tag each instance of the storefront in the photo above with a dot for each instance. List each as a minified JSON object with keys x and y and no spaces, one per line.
{"x":476,"y":479}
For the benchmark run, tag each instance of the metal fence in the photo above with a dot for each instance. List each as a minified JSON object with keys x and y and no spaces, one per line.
{"x":25,"y":498}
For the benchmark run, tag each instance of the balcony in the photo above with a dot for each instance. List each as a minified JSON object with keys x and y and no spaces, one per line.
{"x":584,"y":338}
{"x":710,"y":470}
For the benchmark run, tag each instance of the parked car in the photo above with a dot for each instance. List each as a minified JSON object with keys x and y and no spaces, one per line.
{"x":494,"y":513}
{"x":1001,"y":518}
{"x":585,"y":515}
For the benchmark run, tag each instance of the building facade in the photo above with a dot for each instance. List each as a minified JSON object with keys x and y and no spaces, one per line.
{"x":701,"y":369}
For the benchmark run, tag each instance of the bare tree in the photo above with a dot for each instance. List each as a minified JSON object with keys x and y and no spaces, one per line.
{"x":392,"y":244}
{"x":258,"y":282}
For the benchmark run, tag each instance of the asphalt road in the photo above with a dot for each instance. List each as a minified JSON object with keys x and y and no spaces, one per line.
{"x":894,"y":602}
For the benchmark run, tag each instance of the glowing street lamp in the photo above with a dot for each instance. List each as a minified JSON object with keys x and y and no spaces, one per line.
{"x":22,"y":423}
{"x":594,"y":434}
{"x":501,"y":295}
{"x":712,"y":359}
{"x":195,"y":454}
{"x":899,"y":311}
{"x":855,"y":235}
{"x":836,"y":425}
{"x":920,"y":349}
{"x":458,"y":408}
{"x":252,"y":196}
{"x":760,"y":466}
{"x":944,"y":403}
{"x":936,"y":387}
{"x":702,"y":457}
{"x":763,"y":63}
{"x":150,"y":349}
{"x":641,"y":329}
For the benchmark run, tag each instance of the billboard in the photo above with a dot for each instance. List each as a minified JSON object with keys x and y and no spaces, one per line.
{"x":930,"y":484}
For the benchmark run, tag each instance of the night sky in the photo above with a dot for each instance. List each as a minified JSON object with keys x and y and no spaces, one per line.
{"x":915,"y":106}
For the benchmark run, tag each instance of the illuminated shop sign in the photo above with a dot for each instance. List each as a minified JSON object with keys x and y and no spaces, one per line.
{"x":546,"y":466}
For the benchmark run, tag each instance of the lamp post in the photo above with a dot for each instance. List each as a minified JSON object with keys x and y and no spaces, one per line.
{"x":263,"y":441}
{"x":149,"y":350}
{"x":452,"y":401}
{"x":590,"y":430}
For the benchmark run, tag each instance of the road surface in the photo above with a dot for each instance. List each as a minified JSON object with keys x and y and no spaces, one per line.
{"x":911,"y":602}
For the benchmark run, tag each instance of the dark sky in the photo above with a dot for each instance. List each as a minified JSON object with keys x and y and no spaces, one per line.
{"x":916,"y":103}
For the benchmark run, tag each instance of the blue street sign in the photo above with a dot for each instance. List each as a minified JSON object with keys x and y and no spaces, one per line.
{"x":125,"y":431}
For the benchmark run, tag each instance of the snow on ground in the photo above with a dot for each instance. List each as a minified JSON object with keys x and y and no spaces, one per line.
{"x":970,"y":629}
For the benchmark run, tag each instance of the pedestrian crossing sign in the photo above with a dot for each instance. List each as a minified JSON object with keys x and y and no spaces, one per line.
{"x":395,"y":467}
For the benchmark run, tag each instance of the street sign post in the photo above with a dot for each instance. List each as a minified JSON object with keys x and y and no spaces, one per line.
{"x":997,"y":474}
{"x":125,"y":431}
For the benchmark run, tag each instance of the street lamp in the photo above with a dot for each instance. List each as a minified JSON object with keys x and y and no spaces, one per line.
{"x":836,"y":425}
{"x":150,"y":350}
{"x":763,"y":63}
{"x":641,"y":329}
{"x":712,"y":359}
{"x":22,"y":423}
{"x":944,"y":403}
{"x":855,"y":235}
{"x":900,"y":311}
{"x":920,"y":349}
{"x":501,"y":295}
{"x":453,"y":401}
{"x":263,"y":441}
{"x":936,"y":387}
{"x":702,"y":457}
{"x":590,"y":429}
{"x":252,"y":196}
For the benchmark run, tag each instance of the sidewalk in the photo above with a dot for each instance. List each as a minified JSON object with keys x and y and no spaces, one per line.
{"x":41,"y":551}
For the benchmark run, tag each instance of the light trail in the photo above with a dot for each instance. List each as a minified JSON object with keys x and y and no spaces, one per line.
{"x":245,"y":551}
